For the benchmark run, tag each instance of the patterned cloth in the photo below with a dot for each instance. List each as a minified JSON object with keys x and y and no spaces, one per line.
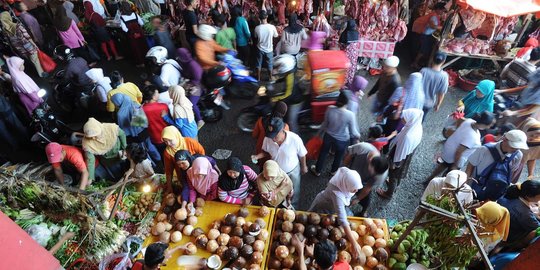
{"x":20,"y":42}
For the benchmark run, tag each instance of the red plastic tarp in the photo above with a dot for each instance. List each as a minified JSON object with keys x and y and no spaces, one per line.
{"x":503,"y":8}
{"x":19,"y":251}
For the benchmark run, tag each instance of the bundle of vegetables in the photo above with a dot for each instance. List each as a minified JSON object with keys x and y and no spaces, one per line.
{"x":455,"y":249}
{"x":413,"y":249}
{"x":104,"y":239}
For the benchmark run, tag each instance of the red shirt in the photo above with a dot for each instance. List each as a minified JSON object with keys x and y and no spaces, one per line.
{"x":74,"y":156}
{"x":156,"y":124}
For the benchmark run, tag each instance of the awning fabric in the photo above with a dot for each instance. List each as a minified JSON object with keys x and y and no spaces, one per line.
{"x":503,"y":8}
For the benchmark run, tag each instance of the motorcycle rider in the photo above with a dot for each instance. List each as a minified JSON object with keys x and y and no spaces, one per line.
{"x":165,"y":72}
{"x":206,"y":47}
{"x":285,"y":88}
{"x":76,"y":68}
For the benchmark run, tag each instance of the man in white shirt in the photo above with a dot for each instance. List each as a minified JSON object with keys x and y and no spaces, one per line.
{"x":287,"y":149}
{"x":265,"y":34}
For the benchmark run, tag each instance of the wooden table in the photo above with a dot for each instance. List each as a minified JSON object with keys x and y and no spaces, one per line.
{"x":494,"y":58}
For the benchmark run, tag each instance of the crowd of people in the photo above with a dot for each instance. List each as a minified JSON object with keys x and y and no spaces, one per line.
{"x":155,"y":128}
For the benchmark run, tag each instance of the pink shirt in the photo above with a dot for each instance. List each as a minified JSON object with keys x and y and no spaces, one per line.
{"x":211,"y":193}
{"x":237,"y":196}
{"x":72,"y":37}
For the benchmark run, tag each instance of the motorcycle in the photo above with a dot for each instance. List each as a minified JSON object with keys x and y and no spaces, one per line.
{"x":48,"y":128}
{"x":242,"y":85}
{"x":69,"y":96}
{"x":211,"y":103}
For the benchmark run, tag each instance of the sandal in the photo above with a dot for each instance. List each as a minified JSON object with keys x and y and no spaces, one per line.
{"x":313,"y":170}
{"x":383,"y":194}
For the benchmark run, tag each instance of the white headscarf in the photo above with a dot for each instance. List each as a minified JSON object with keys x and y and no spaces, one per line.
{"x":410,"y":136}
{"x":347,"y":181}
{"x":96,"y":75}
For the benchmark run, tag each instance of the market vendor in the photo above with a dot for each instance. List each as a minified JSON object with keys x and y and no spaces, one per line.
{"x":155,"y":256}
{"x":175,"y":142}
{"x":495,"y":219}
{"x":183,"y":160}
{"x":454,"y":179}
{"x":433,"y":24}
{"x":274,"y":186}
{"x":336,"y":198}
{"x":324,"y":252}
{"x":237,"y":184}
{"x":202,"y":180}
{"x":59,"y":155}
{"x":523,"y":221}
{"x":107,"y":141}
{"x":350,"y":34}
{"x":478,"y":100}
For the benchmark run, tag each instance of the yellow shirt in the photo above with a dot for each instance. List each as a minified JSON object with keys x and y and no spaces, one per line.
{"x":129,"y":89}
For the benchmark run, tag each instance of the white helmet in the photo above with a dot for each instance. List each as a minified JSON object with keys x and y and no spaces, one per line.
{"x":284,"y":63}
{"x":206,"y":32}
{"x":159,"y":53}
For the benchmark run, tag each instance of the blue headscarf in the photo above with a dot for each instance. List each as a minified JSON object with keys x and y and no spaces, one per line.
{"x":126,"y":109}
{"x":473,"y":104}
{"x":413,"y":91}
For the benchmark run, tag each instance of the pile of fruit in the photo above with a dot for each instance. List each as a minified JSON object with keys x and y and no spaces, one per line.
{"x":233,"y":238}
{"x":413,"y":249}
{"x":145,"y":203}
{"x":314,"y":227}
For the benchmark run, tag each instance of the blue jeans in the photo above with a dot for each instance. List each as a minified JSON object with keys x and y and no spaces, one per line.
{"x":339,"y":147}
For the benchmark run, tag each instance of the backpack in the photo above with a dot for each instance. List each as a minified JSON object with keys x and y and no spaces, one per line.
{"x":495,"y":179}
{"x":420,"y":24}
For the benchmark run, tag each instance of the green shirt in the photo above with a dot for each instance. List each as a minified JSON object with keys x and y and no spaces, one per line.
{"x":225,"y":38}
{"x":120,"y":144}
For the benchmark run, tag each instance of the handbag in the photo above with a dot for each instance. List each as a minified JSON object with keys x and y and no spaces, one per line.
{"x":313,"y":147}
{"x":46,"y":62}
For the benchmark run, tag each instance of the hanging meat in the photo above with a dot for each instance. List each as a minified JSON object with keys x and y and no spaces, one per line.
{"x":471,"y":18}
{"x":505,"y":27}
{"x":393,"y":14}
{"x":309,"y":7}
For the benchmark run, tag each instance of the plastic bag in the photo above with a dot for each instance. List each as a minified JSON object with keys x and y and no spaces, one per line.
{"x":313,"y":147}
{"x":119,"y":261}
{"x":46,"y":62}
{"x":40,"y":233}
{"x":139,"y":118}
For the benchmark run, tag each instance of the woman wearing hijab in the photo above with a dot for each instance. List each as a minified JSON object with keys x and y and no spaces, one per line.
{"x":237,"y":184}
{"x":192,"y":71}
{"x":182,"y":117}
{"x":107,"y":141}
{"x":100,"y":33}
{"x":132,"y":25}
{"x":454,"y":179}
{"x":23,"y":85}
{"x":350,"y":34}
{"x":495,"y":220}
{"x":402,"y":149}
{"x":20,"y":41}
{"x":523,"y":221}
{"x":355,"y":93}
{"x":103,"y":84}
{"x":337,"y":197}
{"x":202,"y":180}
{"x":274,"y":186}
{"x":69,"y":11}
{"x":292,"y":37}
{"x":172,"y":137}
{"x":126,"y":111}
{"x":70,"y":34}
{"x":412,"y":93}
{"x":183,"y":161}
{"x":531,"y":127}
{"x":478,"y":100}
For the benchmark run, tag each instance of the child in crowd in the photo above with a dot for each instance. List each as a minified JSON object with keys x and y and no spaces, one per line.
{"x":140,"y":166}
{"x":377,"y":138}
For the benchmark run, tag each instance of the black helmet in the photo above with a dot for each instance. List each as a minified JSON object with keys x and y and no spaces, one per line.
{"x":63,"y":53}
{"x":217,"y":77}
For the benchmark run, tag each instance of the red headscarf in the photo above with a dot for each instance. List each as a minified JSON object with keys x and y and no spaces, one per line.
{"x":529,"y":45}
{"x":91,"y":16}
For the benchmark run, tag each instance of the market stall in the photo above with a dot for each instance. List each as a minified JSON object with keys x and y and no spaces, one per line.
{"x":486,"y":29}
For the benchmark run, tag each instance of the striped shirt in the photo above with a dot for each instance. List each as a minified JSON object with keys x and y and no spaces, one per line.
{"x":517,"y":72}
{"x":238,"y":195}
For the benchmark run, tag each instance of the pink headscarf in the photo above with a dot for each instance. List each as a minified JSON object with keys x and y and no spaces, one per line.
{"x":201,"y":165}
{"x":22,"y":83}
